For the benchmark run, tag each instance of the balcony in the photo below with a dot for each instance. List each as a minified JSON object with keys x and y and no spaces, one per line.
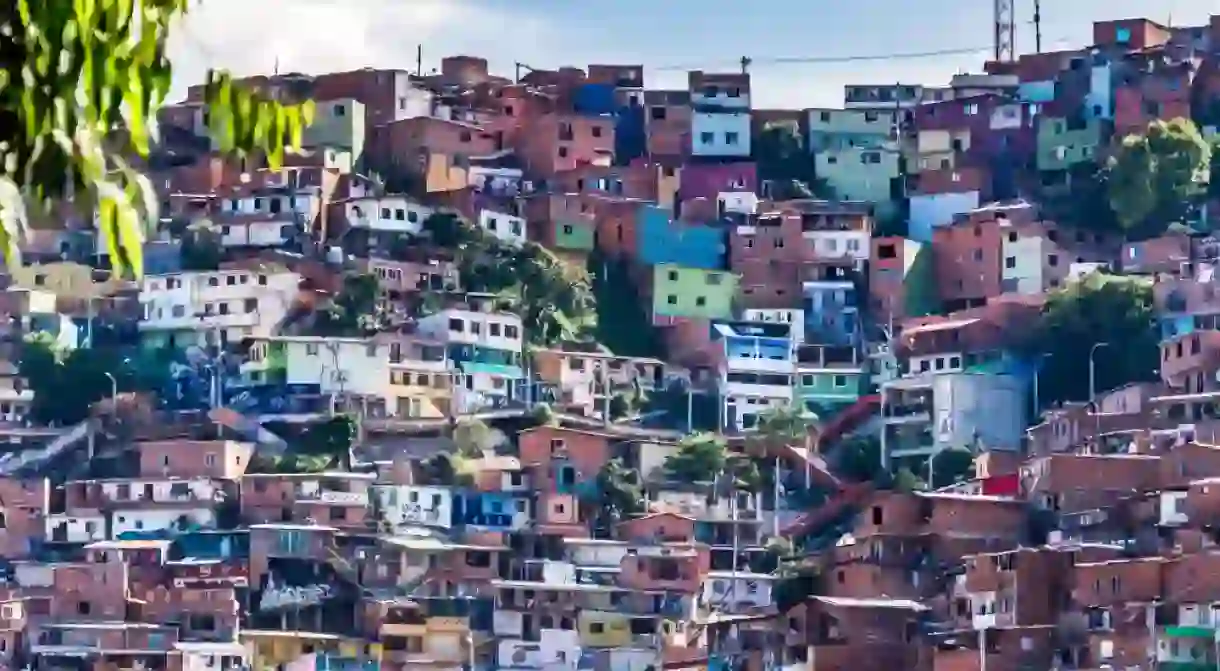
{"x":334,"y":497}
{"x":908,"y":413}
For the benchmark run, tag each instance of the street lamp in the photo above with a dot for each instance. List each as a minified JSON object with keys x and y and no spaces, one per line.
{"x":1093,"y":369}
{"x":114,"y":386}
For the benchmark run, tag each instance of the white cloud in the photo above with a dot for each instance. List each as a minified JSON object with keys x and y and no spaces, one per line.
{"x":248,"y":36}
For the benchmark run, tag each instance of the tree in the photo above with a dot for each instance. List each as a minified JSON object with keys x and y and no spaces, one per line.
{"x":701,"y":457}
{"x":355,"y":311}
{"x":1158,"y":175}
{"x":472,"y":437}
{"x":858,"y":458}
{"x":333,"y":437}
{"x":951,"y":466}
{"x":1116,"y":311}
{"x":76,"y":73}
{"x":620,"y":406}
{"x":616,"y":496}
{"x":787,"y":425}
{"x":66,"y":383}
{"x":202,"y":248}
{"x":906,"y":481}
{"x":742,"y":474}
{"x":783,"y":160}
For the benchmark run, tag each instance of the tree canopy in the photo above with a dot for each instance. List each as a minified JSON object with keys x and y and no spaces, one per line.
{"x":80,"y":86}
{"x":1099,"y":309}
{"x":783,"y":160}
{"x":701,"y":457}
{"x":554,"y":299}
{"x":354,"y":312}
{"x":1156,"y":177}
{"x":67,"y":382}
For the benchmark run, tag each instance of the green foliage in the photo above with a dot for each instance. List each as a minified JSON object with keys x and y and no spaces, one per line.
{"x":1084,"y":201}
{"x":618,"y":495}
{"x":67,"y":383}
{"x":291,"y":463}
{"x":201,"y":249}
{"x":447,"y":470}
{"x":1158,"y":175}
{"x":354,"y":312}
{"x":951,"y":466}
{"x":543,"y":415}
{"x":552,"y":300}
{"x":1099,"y":309}
{"x":623,"y":323}
{"x":906,"y":481}
{"x":787,"y":425}
{"x":472,"y":437}
{"x":858,"y":458}
{"x":744,"y":473}
{"x":701,"y":457}
{"x":782,"y":159}
{"x":72,"y":73}
{"x":333,"y":437}
{"x":620,"y":406}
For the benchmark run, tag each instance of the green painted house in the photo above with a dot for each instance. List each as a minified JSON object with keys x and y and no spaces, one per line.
{"x":693,"y":293}
{"x":1064,"y":142}
{"x":829,"y":378}
{"x":574,"y":235}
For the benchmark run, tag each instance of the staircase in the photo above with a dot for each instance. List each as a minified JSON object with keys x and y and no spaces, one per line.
{"x":11,"y":463}
{"x":849,"y":420}
{"x":839,"y":506}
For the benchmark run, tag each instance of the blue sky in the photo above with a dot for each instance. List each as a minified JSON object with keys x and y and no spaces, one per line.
{"x":667,"y":36}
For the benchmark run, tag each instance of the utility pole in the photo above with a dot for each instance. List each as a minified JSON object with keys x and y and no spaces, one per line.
{"x":1005,"y":31}
{"x":745,"y":64}
{"x":1038,"y":25}
{"x":419,"y":60}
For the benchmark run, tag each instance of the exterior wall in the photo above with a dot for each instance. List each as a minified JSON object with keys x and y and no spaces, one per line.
{"x":709,"y":180}
{"x":1062,"y":144}
{"x":971,"y":409}
{"x":929,"y":212}
{"x":555,"y":143}
{"x":720,"y":133}
{"x":239,"y":302}
{"x":830,"y":129}
{"x":692,"y":293}
{"x":504,"y":227}
{"x":338,"y":123}
{"x":968,"y":261}
{"x":859,"y":174}
{"x":339,"y":366}
{"x":1023,"y":264}
{"x":392,"y":214}
{"x":662,"y":240}
{"x":901,"y":278}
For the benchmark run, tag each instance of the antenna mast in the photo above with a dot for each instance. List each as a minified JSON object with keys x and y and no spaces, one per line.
{"x":1005,"y":31}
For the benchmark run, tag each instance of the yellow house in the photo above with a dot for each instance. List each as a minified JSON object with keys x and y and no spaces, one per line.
{"x":601,"y":629}
{"x":421,"y":389}
{"x":272,"y":648}
{"x":435,"y":640}
{"x":64,"y":279}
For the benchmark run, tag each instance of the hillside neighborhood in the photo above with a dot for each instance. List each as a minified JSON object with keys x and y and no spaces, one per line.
{"x":560,"y":372}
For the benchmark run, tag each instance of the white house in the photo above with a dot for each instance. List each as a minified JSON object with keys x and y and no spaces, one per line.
{"x":406,"y":505}
{"x":388,"y":214}
{"x":504,"y":227}
{"x":189,"y":308}
{"x":735,"y":591}
{"x":340,"y":365}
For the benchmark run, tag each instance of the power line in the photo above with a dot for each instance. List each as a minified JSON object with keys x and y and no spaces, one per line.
{"x":824,"y":60}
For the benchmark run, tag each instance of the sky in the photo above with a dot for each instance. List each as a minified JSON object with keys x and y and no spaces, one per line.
{"x":668,"y":37}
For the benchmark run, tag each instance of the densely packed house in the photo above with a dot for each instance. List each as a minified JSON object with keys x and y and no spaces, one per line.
{"x":561,"y":372}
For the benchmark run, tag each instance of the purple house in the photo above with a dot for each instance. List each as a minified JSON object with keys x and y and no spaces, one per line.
{"x":709,"y":180}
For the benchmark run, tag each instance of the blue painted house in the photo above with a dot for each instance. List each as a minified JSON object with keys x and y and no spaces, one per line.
{"x":661,"y":240}
{"x":832,"y":312}
{"x":492,"y":511}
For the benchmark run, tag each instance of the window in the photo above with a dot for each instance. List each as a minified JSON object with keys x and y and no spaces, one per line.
{"x":658,"y":113}
{"x":510,"y":331}
{"x":887,"y":251}
{"x":1122,"y":35}
{"x":714,"y":278}
{"x":250,"y":304}
{"x":1010,"y":262}
{"x":400,"y":215}
{"x":493,"y":329}
{"x":1052,"y":260}
{"x":563,"y":152}
{"x":672,"y":275}
{"x":567,"y":229}
{"x":340,"y":110}
{"x":840,"y":381}
{"x":456,"y":325}
{"x":311,"y":350}
{"x":596,"y":131}
{"x":972,"y":109}
{"x":671,"y":299}
{"x":464,"y":137}
{"x":700,"y":302}
{"x":707,"y":138}
{"x":870,"y":158}
{"x":978,"y":255}
{"x":730,"y":138}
